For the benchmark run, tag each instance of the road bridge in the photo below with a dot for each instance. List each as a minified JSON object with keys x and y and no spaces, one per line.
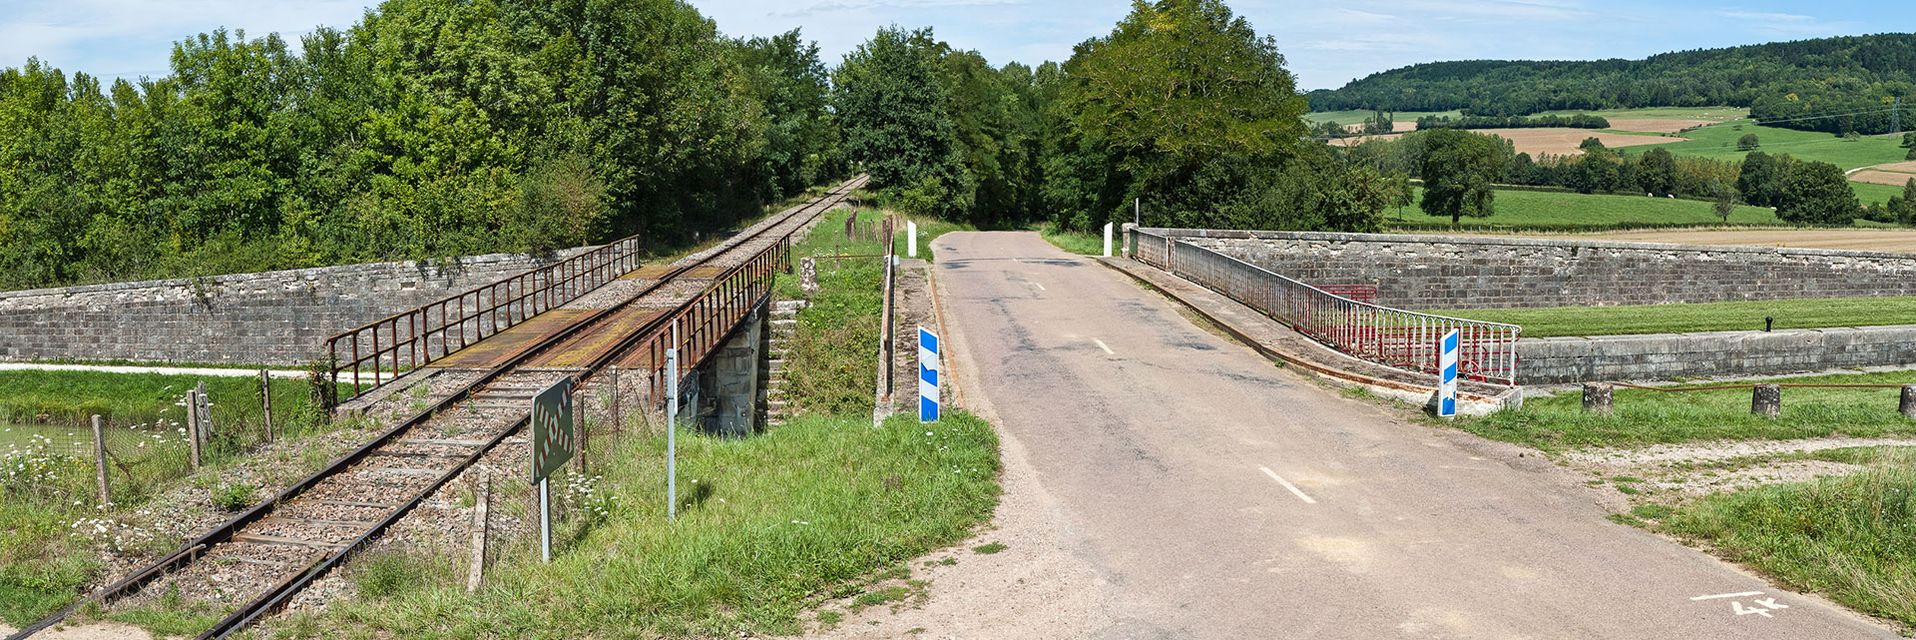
{"x":1165,"y":482}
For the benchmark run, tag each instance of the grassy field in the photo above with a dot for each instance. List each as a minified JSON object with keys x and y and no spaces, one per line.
{"x":1358,"y":117}
{"x":1851,"y":538}
{"x":68,"y":397}
{"x":1696,"y":113}
{"x":1546,"y":209}
{"x":825,"y":506}
{"x":1742,"y":315}
{"x":1086,"y":244}
{"x":1719,"y":142}
{"x":1651,"y":417}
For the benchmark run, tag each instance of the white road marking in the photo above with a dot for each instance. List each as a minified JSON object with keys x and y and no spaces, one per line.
{"x":1287,"y":484}
{"x":1039,"y":286}
{"x":1101,"y":345}
{"x":1722,"y":596}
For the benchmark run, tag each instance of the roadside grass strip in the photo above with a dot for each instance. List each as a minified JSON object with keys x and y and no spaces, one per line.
{"x":1644,"y":417}
{"x":1569,"y":211}
{"x":1740,"y":315}
{"x":1078,"y":242}
{"x":770,"y":525}
{"x":1851,"y":538}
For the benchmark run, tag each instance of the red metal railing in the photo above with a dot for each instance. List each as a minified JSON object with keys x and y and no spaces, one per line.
{"x":381,"y":351}
{"x":1394,"y":337}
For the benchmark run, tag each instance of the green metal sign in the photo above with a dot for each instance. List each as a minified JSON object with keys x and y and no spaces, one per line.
{"x":553,"y":441}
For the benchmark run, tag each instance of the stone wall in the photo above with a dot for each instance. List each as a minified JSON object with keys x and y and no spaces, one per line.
{"x":1448,"y":272}
{"x":1721,"y":354}
{"x":275,"y":318}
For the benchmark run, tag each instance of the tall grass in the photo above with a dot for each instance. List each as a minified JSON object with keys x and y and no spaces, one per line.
{"x":1852,"y":538}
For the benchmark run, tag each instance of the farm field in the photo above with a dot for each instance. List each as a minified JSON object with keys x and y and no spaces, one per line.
{"x":1556,"y":141}
{"x":1896,"y":240}
{"x":1568,"y":211}
{"x":1740,"y":315}
{"x":1405,"y":120}
{"x":1895,"y":174}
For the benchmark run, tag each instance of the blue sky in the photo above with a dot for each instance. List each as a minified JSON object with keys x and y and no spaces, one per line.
{"x":1327,"y":43}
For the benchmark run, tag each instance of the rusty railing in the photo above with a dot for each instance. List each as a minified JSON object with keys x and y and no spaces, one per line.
{"x":364,"y":358}
{"x":698,"y":327}
{"x":1393,"y":337}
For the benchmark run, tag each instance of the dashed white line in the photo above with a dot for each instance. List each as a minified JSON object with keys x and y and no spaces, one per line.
{"x":1101,"y":345}
{"x":1287,"y":484}
{"x":1039,"y":286}
{"x":1722,"y":596}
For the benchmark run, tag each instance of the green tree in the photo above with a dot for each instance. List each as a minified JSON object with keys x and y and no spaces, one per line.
{"x":894,"y":107}
{"x":1723,"y":200}
{"x":1459,"y":168}
{"x":1816,"y":193}
{"x":1761,"y":179}
{"x":1656,"y":172}
{"x":794,"y":86}
{"x":1190,"y":105}
{"x":1748,"y":142}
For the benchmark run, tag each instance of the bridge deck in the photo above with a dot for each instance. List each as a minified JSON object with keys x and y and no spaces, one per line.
{"x":497,"y":349}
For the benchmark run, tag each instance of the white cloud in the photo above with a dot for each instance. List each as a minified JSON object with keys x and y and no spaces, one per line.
{"x":134,"y":37}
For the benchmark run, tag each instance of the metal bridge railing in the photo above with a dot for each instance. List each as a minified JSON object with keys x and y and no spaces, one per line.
{"x":364,"y":358}
{"x":1393,"y":337}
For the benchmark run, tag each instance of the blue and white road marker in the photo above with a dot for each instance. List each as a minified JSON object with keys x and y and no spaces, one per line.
{"x":1447,"y":375}
{"x":928,"y":367}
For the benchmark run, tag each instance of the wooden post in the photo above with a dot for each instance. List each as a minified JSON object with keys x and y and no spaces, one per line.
{"x":1597,"y":398}
{"x":482,"y":499}
{"x":99,"y":460}
{"x":204,"y":409}
{"x":1908,"y":406}
{"x":1767,"y":401}
{"x":266,"y":401}
{"x":618,"y":408}
{"x":193,"y":424}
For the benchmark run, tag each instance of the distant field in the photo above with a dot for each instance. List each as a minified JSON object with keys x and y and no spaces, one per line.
{"x":1355,"y":117}
{"x":1897,"y":240}
{"x":1719,"y":142}
{"x":1714,"y":114}
{"x":1540,"y":208}
{"x":1741,"y":315}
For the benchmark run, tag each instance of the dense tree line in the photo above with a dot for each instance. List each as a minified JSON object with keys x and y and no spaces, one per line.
{"x":1575,"y":121}
{"x":1784,"y":81}
{"x":431,"y":128}
{"x":1458,"y":168}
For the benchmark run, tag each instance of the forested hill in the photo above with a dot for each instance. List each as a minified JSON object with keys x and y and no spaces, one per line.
{"x":1777,"y":81}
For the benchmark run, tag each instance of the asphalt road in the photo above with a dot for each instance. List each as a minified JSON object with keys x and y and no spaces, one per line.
{"x":1209,"y":494}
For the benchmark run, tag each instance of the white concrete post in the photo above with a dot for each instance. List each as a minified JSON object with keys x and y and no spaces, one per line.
{"x":1107,"y":239}
{"x":911,"y":239}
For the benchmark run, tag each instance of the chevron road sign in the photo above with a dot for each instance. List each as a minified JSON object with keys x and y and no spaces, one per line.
{"x":928,"y":368}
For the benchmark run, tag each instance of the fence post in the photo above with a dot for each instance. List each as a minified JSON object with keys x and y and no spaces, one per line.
{"x":1908,"y":406}
{"x":193,"y":425}
{"x":482,"y":498}
{"x":1597,"y":398}
{"x":99,"y":460}
{"x":584,"y":426}
{"x":618,"y":408}
{"x":266,"y":401}
{"x":1767,"y":401}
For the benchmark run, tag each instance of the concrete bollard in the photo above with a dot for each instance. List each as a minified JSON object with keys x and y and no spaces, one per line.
{"x":1125,"y":232}
{"x":1908,"y":406}
{"x":1107,"y":239}
{"x":1767,"y":401}
{"x":1597,"y":398}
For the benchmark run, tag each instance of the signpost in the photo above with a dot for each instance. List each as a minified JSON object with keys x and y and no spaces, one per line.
{"x":1447,"y":375}
{"x":672,"y":430}
{"x":928,"y":368}
{"x":553,"y":442}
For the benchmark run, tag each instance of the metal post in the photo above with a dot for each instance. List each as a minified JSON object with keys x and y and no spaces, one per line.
{"x":193,"y":425}
{"x":672,"y":428}
{"x":618,"y":408}
{"x":99,"y":460}
{"x":545,"y":520}
{"x":266,"y":401}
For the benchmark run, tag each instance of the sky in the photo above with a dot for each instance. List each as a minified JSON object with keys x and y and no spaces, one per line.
{"x":1326,"y":43}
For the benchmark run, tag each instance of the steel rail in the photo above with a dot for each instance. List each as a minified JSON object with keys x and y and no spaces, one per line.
{"x":276,"y":595}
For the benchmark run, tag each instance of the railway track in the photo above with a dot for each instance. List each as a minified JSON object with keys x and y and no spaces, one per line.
{"x":267,"y":554}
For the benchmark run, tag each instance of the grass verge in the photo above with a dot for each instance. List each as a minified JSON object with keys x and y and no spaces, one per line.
{"x":1077,"y":242}
{"x":1741,"y":315}
{"x":1851,"y":538}
{"x":1651,"y":417}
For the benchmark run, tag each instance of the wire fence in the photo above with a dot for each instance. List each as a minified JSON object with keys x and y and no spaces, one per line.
{"x":52,"y":457}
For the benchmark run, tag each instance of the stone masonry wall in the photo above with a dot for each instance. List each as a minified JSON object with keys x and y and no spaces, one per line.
{"x":276,"y":318}
{"x":1722,"y":354}
{"x":1443,"y":272}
